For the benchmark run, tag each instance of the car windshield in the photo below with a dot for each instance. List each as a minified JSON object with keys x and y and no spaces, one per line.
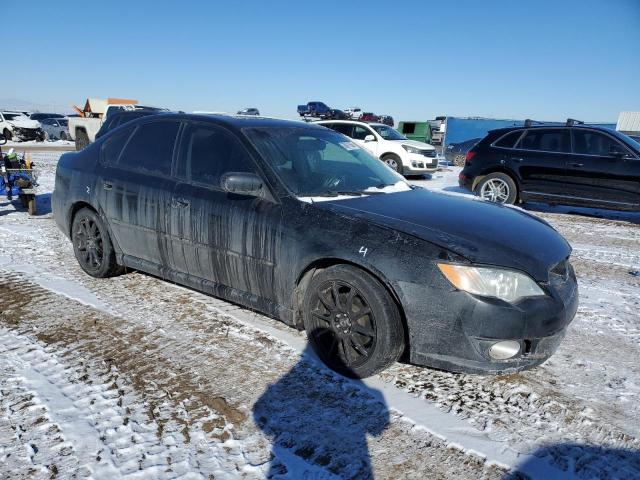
{"x":632,"y":140}
{"x":388,"y":133}
{"x":64,"y":122}
{"x":320,"y":162}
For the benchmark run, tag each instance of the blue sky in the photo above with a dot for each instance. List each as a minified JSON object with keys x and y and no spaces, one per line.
{"x":412,"y":59}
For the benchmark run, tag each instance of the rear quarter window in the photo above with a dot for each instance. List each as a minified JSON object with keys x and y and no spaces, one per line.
{"x":113,"y":145}
{"x":509,"y":140}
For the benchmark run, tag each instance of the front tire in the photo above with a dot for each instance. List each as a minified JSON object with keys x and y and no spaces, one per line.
{"x":82,"y":139}
{"x":394,"y":162}
{"x":92,"y":246}
{"x":352,"y":322}
{"x":7,"y":134}
{"x":498,"y":188}
{"x":63,"y":136}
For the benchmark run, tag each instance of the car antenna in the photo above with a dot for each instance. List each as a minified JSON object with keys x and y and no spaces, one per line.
{"x":573,"y":121}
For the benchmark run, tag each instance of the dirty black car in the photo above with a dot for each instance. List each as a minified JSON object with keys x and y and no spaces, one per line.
{"x":298,"y":222}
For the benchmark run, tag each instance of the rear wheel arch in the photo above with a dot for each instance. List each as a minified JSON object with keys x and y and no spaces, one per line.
{"x":305,"y":276}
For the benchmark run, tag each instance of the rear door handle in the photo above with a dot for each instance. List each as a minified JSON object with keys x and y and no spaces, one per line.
{"x":576,"y":164}
{"x":107,"y":185}
{"x":517,"y":160}
{"x":180,"y":203}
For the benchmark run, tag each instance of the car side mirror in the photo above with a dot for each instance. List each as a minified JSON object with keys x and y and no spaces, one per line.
{"x":242,"y":183}
{"x":369,"y":138}
{"x":617,"y":152}
{"x":3,"y":139}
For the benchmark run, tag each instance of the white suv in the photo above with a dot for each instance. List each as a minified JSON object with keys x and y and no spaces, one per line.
{"x":405,"y":156}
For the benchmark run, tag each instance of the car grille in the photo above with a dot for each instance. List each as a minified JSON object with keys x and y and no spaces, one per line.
{"x":429,"y":153}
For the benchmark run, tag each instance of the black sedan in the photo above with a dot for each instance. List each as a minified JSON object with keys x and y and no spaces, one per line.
{"x":299,"y":222}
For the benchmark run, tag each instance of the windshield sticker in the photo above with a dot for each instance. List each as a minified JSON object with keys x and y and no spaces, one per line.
{"x":349,"y":146}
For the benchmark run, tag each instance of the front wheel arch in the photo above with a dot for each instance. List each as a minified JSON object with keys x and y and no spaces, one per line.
{"x":303,"y":279}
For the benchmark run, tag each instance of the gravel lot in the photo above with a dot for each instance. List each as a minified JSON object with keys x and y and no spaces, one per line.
{"x":132,"y":377}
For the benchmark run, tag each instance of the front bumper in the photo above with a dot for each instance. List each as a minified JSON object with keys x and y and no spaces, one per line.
{"x":416,"y":164}
{"x":454,"y":330}
{"x":26,"y":134}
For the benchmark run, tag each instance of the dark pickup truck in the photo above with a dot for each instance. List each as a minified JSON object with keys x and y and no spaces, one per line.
{"x":314,"y":109}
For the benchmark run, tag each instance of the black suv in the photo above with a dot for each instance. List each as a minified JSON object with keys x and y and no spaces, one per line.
{"x":573,"y":164}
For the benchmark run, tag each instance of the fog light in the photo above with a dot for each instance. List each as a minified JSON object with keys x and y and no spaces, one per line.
{"x":504,"y":350}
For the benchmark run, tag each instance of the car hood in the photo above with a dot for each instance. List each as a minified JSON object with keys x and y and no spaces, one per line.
{"x":482,"y":232}
{"x":24,"y":123}
{"x":415,"y":144}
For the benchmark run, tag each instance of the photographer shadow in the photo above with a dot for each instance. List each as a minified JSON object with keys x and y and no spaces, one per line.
{"x":319,"y":422}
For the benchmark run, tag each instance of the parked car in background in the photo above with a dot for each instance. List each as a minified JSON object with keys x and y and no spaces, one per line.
{"x":83,"y":129}
{"x":41,"y":116}
{"x":369,"y":117}
{"x":121,"y":117}
{"x":456,"y":153}
{"x":303,"y":110}
{"x":249,"y":111}
{"x":318,"y":109}
{"x":354,"y":113}
{"x":336,"y":114}
{"x":578,"y":165}
{"x":405,"y":156}
{"x":387,"y":120}
{"x":418,"y":131}
{"x":185,"y":198}
{"x":17,"y":126}
{"x":55,"y":128}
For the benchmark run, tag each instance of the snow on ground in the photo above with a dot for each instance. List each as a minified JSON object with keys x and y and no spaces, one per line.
{"x":132,"y":377}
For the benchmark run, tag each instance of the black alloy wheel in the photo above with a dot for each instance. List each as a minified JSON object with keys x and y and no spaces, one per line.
{"x":92,"y":245}
{"x":352,"y":322}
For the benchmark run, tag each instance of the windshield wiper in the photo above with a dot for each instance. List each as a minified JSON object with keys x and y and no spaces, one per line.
{"x":351,"y":193}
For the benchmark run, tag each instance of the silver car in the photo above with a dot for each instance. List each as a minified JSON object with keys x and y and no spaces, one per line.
{"x":55,"y":128}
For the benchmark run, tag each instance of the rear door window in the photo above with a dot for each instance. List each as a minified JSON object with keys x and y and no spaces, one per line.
{"x":150,"y":149}
{"x":590,"y":142}
{"x":207,"y":152}
{"x":343,"y":128}
{"x":545,"y":140}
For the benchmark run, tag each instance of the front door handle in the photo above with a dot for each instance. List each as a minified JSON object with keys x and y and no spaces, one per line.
{"x":517,"y":160}
{"x":576,"y":164}
{"x":107,"y":185}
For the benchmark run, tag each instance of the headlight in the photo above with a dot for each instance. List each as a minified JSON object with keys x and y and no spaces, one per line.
{"x":491,"y":282}
{"x":412,"y":149}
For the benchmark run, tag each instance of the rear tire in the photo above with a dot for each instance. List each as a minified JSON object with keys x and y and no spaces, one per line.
{"x":7,"y":134}
{"x":394,"y":162}
{"x":82,"y":139}
{"x":498,"y":187}
{"x":352,"y":322}
{"x":63,"y":136}
{"x":92,"y":246}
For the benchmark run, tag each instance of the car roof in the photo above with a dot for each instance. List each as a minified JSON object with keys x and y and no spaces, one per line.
{"x":549,"y":125}
{"x":235,"y":121}
{"x":352,"y":122}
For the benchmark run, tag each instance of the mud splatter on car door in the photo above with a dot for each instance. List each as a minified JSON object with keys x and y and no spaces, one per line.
{"x":226,"y":238}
